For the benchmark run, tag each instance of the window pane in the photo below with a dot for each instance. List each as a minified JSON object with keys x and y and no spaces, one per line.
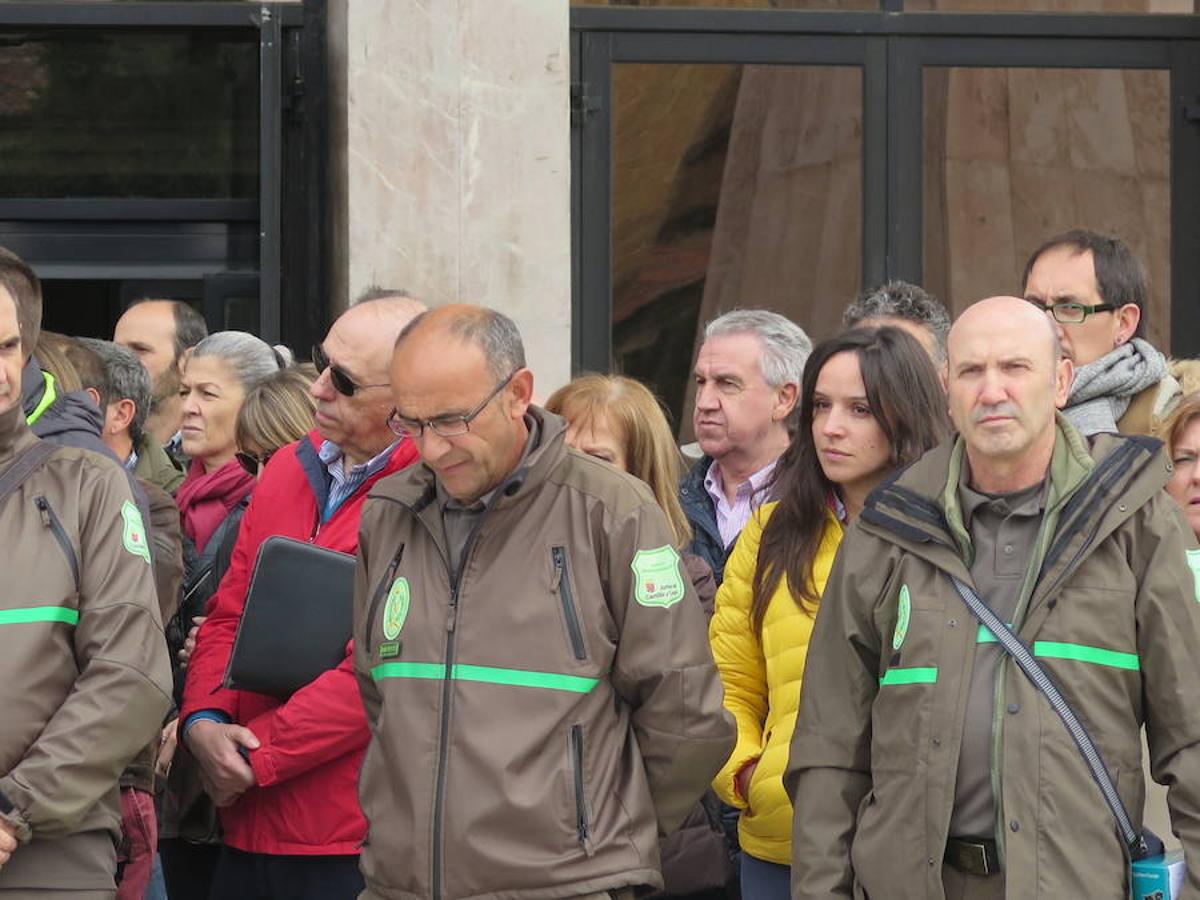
{"x":732,"y":186}
{"x":88,"y":114}
{"x":1015,"y":156}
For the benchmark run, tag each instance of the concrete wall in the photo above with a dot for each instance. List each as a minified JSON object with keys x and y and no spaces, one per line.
{"x":451,"y":159}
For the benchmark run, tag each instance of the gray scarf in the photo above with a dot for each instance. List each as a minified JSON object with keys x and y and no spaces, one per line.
{"x":1103,"y":389}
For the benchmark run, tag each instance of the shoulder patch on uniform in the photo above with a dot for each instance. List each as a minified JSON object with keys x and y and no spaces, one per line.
{"x":395,"y":610}
{"x":1193,"y":561}
{"x":133,"y":533}
{"x":903,"y":613}
{"x":657,"y":580}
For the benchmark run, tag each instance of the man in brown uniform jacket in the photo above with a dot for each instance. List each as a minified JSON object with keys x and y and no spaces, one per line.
{"x":535,"y":669}
{"x":924,"y":762}
{"x":84,"y":677}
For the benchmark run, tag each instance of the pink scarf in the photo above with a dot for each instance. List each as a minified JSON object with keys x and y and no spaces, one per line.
{"x":205,"y":498}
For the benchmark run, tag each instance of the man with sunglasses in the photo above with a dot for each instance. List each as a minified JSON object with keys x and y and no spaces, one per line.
{"x":284,"y":773}
{"x":1094,"y":289}
{"x":533,"y":662}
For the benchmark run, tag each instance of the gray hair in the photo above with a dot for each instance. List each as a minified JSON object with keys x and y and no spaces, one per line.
{"x":901,"y":300}
{"x":785,"y":346}
{"x":125,"y":378}
{"x":490,"y":330}
{"x":249,"y":358}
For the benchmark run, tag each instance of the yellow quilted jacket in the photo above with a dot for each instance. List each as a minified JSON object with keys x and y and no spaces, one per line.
{"x":762,"y":686}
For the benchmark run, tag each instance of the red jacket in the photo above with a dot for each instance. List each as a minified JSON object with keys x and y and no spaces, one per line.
{"x":306,"y":798}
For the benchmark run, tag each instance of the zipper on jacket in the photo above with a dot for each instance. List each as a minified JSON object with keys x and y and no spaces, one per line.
{"x":562,"y":584}
{"x":50,"y":520}
{"x":380,"y":592}
{"x":439,"y":796}
{"x":583,"y":824}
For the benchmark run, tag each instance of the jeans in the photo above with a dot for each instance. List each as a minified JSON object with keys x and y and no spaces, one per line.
{"x":157,"y":888}
{"x":762,"y":880}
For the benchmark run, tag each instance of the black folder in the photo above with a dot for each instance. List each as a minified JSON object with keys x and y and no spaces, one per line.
{"x":297,"y":618}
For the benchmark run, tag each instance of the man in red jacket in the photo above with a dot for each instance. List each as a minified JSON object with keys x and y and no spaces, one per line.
{"x":285,"y":773}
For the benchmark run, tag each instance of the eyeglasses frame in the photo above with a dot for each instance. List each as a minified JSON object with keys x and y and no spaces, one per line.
{"x":259,"y":461}
{"x":1053,"y":309}
{"x":466,"y":418}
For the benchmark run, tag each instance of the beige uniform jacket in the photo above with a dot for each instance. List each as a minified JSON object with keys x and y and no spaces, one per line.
{"x":84,"y":679}
{"x":540,"y":716}
{"x":1110,"y":609}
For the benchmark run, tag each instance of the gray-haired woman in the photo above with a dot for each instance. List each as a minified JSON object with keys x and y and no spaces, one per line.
{"x":220,"y":371}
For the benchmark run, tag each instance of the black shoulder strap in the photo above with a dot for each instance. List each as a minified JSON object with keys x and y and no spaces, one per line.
{"x":1134,"y":841}
{"x":26,"y":463}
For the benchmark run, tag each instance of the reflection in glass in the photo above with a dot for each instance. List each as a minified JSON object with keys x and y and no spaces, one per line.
{"x":91,"y":114}
{"x":1014,"y":156}
{"x":732,"y":186}
{"x":1177,"y":7}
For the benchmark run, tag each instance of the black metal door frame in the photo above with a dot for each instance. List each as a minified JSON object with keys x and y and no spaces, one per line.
{"x":892,"y":49}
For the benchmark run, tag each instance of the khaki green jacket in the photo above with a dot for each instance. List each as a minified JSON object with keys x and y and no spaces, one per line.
{"x":156,"y":466}
{"x":1111,"y":609}
{"x":540,"y":716}
{"x":84,"y":679}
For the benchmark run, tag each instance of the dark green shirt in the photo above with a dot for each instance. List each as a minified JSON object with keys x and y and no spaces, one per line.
{"x":1003,"y":529}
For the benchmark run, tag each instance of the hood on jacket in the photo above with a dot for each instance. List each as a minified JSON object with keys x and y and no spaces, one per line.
{"x":71,"y":420}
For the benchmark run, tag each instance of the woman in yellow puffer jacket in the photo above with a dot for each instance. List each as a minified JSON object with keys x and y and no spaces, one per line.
{"x":870,"y":402}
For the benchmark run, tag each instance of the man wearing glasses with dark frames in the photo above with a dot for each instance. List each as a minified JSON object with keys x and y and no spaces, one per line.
{"x":1095,"y":290}
{"x":533,"y":660}
{"x":284,"y":773}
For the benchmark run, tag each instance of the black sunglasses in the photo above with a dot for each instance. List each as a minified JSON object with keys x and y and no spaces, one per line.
{"x":342,"y":382}
{"x":250,"y":462}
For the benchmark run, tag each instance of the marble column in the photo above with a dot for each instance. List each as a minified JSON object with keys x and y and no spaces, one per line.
{"x":451,"y":160}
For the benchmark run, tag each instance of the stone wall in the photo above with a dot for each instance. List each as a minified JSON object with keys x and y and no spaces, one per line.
{"x":451,"y":160}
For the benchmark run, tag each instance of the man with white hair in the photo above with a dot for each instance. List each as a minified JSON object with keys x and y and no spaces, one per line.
{"x":747,"y":386}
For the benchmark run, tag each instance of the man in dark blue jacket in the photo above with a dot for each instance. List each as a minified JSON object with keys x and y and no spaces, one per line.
{"x":747,"y":390}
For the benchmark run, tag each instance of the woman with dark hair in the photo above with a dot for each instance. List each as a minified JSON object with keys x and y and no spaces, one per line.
{"x":870,"y":403}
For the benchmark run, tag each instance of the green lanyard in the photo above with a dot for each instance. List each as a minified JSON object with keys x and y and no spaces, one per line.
{"x":49,"y":395}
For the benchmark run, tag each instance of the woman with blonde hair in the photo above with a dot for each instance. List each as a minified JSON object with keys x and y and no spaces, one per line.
{"x":1182,"y":431}
{"x":276,"y":412}
{"x":618,"y":420}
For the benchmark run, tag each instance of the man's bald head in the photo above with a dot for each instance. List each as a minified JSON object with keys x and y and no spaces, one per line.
{"x":1005,"y":377}
{"x":1004,"y":313}
{"x":490,"y":330}
{"x":359,"y":345}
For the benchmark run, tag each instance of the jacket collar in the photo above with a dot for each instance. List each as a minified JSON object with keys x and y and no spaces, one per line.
{"x":698,"y":506}
{"x":316,"y":473}
{"x":920,"y":507}
{"x":416,"y":488}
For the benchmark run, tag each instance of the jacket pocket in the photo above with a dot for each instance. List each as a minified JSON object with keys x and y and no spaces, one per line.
{"x":50,"y":520}
{"x":583,"y":820}
{"x":381,"y":590}
{"x":562,"y":585}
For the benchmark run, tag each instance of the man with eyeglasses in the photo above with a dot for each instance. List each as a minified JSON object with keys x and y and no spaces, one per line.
{"x":1095,"y":291}
{"x":533,"y":662}
{"x":284,"y":774}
